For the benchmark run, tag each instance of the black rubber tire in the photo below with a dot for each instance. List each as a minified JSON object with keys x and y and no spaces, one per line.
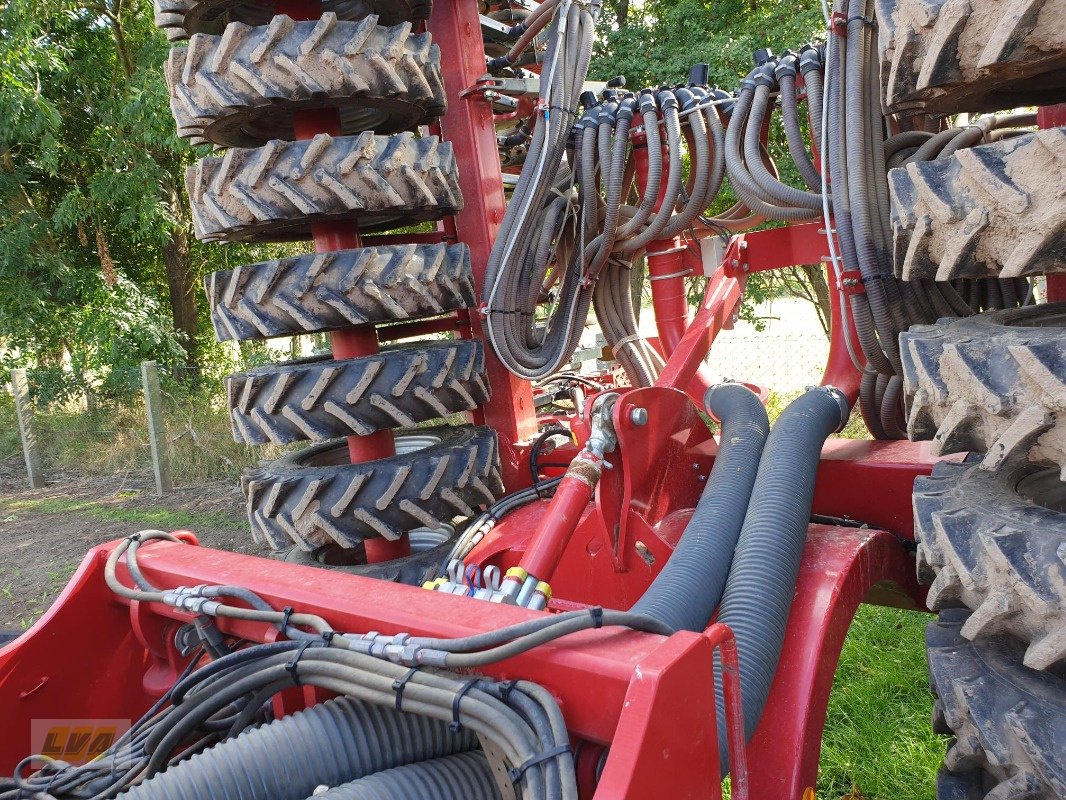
{"x":950,"y":56}
{"x":996,"y":543}
{"x":180,"y":19}
{"x":276,"y":192}
{"x":314,"y":497}
{"x":994,"y":210}
{"x":319,"y":398}
{"x":1009,"y":722}
{"x":326,"y":291}
{"x":994,"y":383}
{"x":242,"y":88}
{"x":424,"y":563}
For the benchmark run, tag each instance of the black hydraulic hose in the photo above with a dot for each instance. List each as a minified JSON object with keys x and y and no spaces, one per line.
{"x":838,"y":173}
{"x":786,"y":79}
{"x":464,"y":776}
{"x":329,"y":743}
{"x":776,"y":191}
{"x":686,"y":593}
{"x":745,"y":187}
{"x":869,"y":406}
{"x":762,"y":579}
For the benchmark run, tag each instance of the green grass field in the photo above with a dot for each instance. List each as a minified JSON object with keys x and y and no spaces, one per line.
{"x":878,"y":743}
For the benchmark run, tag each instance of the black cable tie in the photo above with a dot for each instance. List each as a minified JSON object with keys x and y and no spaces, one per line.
{"x":292,"y":665}
{"x":597,"y":616}
{"x":868,"y":21}
{"x":516,"y":773}
{"x":327,"y":637}
{"x":133,"y":537}
{"x":455,"y":725}
{"x":506,"y":687}
{"x":400,"y":684}
{"x":286,"y":615}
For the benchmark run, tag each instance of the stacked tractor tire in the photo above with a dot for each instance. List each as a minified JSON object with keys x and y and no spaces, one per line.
{"x":991,"y":521}
{"x":324,"y":124}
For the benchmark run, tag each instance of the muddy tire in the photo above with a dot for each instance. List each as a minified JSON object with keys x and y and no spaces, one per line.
{"x":1009,"y":722}
{"x":319,"y":398}
{"x":180,"y":19}
{"x":994,"y":210}
{"x":429,"y":549}
{"x":994,"y":383}
{"x":276,"y":192}
{"x":314,"y":497}
{"x":949,"y":56}
{"x":241,"y":89}
{"x":996,"y":544}
{"x":326,"y":291}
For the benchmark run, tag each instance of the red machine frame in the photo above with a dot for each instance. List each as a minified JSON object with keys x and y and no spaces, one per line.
{"x":653,"y":702}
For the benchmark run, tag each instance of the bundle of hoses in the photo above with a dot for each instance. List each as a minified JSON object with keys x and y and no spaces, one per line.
{"x":404,"y":725}
{"x":513,"y":283}
{"x":751,"y":173}
{"x":572,"y":235}
{"x":858,"y":157}
{"x":740,"y":553}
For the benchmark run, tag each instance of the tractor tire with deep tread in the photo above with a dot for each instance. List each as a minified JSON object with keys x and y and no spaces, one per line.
{"x":276,"y":192}
{"x":950,"y":56}
{"x":327,"y":291}
{"x":994,"y":383}
{"x":426,"y":561}
{"x":241,"y":89}
{"x":996,"y":543}
{"x":319,"y":398}
{"x":315,"y":497}
{"x":180,"y":19}
{"x":998,"y":210}
{"x":1009,"y":722}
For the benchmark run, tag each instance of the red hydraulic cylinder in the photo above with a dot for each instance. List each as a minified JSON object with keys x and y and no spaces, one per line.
{"x":560,"y":519}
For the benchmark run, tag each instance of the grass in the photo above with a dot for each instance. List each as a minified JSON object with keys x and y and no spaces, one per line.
{"x":113,"y":440}
{"x":878,"y":743}
{"x":163,"y":518}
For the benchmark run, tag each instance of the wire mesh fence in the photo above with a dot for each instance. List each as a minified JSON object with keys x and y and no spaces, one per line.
{"x":107,"y":432}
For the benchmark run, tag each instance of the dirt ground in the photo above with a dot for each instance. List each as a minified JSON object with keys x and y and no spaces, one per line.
{"x":44,"y":533}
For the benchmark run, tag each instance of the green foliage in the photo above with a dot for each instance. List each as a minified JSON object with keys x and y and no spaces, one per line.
{"x":96,"y":251}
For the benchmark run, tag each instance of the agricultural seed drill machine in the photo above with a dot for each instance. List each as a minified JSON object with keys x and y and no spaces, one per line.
{"x":566,"y":586}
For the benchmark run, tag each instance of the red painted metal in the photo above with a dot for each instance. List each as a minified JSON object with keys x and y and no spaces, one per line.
{"x":1051,"y":116}
{"x":775,"y":248}
{"x":840,"y":369}
{"x":872,"y":481}
{"x":649,"y":697}
{"x":653,"y":699}
{"x":360,"y":340}
{"x":468,"y":125}
{"x":667,"y":269}
{"x":721,"y":301}
{"x":839,"y":569}
{"x":556,"y":527}
{"x":450,"y":323}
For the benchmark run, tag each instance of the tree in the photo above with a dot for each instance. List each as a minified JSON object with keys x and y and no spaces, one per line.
{"x":94,"y":227}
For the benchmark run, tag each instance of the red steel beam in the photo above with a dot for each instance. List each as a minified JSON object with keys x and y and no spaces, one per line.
{"x":468,"y":125}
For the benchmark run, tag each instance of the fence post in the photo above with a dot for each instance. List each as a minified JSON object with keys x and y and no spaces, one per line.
{"x":157,"y":437}
{"x":31,"y":449}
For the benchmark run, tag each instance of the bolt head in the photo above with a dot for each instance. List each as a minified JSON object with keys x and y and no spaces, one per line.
{"x":639,"y":416}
